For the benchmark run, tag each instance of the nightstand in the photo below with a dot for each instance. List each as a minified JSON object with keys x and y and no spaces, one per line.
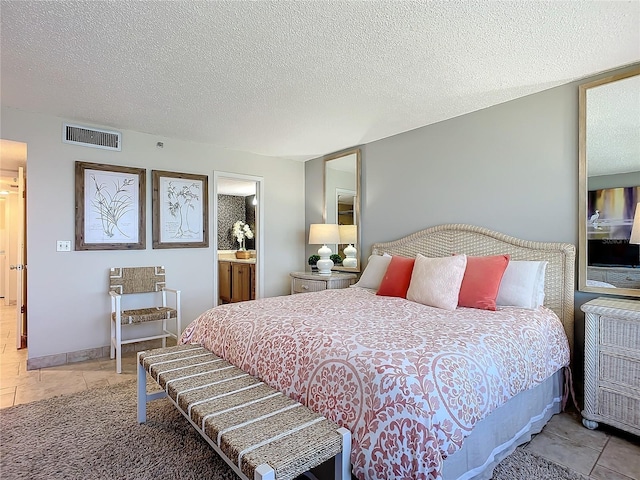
{"x":612,"y":364}
{"x":304,"y":282}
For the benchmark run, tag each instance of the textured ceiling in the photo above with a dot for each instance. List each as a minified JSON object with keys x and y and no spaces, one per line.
{"x":298,"y":79}
{"x":613,"y":127}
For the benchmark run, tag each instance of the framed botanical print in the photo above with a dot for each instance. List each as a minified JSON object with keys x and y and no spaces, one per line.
{"x":180,"y":210}
{"x":110,"y":207}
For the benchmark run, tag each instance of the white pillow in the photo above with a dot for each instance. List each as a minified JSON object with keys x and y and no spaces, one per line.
{"x":374,"y":272}
{"x":436,"y":281}
{"x":522,"y":285}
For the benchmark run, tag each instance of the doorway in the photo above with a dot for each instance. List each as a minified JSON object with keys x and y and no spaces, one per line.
{"x":238,"y":201}
{"x":13,"y":231}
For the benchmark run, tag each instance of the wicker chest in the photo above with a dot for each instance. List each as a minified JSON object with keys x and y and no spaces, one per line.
{"x":612,"y":364}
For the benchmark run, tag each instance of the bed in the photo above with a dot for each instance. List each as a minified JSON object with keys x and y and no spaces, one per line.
{"x":426,"y":392}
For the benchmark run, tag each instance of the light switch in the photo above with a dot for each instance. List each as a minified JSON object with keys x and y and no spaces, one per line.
{"x":63,"y":245}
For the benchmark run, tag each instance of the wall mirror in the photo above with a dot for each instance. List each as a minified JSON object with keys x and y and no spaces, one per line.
{"x":609,"y":112}
{"x":342,"y":201}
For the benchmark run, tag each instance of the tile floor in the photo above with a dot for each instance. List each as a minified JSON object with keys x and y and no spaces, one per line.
{"x":19,"y":385}
{"x":603,"y":454}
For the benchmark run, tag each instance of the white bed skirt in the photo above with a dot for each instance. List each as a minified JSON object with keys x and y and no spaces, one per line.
{"x":497,"y":436}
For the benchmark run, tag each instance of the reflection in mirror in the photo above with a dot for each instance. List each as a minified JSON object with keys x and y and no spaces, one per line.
{"x":609,"y":184}
{"x":342,"y":203}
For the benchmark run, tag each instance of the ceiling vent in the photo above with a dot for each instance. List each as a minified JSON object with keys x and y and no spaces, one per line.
{"x":91,"y":137}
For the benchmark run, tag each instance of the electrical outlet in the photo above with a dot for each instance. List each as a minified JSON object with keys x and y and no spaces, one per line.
{"x":63,"y":245}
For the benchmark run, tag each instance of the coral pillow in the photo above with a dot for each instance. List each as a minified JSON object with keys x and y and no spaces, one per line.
{"x":481,"y":281}
{"x":395,"y":282}
{"x":436,"y":281}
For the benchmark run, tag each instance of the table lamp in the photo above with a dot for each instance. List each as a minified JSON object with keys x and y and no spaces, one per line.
{"x":321,"y":234}
{"x":348,"y":235}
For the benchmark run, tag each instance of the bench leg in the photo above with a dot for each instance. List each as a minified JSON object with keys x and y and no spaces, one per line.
{"x":343,"y":459}
{"x":264,"y":472}
{"x":142,"y":392}
{"x":143,"y":396}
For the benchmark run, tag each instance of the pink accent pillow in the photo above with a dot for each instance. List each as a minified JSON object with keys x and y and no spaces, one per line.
{"x":436,"y":281}
{"x":395,"y":282}
{"x":481,"y":281}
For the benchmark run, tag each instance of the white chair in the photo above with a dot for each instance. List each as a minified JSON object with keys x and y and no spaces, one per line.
{"x":148,"y":284}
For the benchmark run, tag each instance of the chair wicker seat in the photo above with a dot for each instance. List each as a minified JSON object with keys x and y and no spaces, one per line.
{"x":147,"y":286}
{"x":258,"y":431}
{"x":140,"y":315}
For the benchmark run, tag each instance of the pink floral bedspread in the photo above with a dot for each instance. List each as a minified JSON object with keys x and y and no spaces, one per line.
{"x":409,"y":381}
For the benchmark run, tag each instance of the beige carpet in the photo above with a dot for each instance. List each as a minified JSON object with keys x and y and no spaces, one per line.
{"x":95,"y":435}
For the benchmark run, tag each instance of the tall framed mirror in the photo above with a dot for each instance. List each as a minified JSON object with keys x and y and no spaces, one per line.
{"x":609,"y":113}
{"x":342,"y":205}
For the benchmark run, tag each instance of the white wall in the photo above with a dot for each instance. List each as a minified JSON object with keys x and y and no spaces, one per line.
{"x":68,"y":307}
{"x":9,"y":245}
{"x":511,"y":168}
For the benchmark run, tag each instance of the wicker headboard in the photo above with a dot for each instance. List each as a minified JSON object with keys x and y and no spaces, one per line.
{"x":444,"y":240}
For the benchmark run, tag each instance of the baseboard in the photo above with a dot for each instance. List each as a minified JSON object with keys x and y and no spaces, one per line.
{"x":89,"y":354}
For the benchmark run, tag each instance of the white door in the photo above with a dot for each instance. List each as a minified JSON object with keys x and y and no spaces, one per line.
{"x":20,"y":266}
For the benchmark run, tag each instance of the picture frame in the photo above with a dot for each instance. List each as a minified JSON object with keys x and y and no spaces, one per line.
{"x":110,"y":207}
{"x":180,"y":210}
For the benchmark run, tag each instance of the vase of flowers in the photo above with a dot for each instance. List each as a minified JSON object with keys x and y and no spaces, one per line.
{"x":241,"y":231}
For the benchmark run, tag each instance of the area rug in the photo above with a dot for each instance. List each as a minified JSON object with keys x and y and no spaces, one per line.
{"x":95,"y":434}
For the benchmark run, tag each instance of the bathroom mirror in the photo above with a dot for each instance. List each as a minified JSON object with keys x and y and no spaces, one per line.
{"x":609,"y":176}
{"x":342,"y":199}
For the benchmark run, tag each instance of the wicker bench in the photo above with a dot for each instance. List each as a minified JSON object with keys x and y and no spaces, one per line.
{"x":261,"y":433}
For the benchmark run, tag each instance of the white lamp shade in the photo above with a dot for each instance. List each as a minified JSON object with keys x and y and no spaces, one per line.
{"x":323,"y":233}
{"x":635,"y":230}
{"x":348,"y":233}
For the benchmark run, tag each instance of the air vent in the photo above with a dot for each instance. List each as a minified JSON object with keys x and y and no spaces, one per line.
{"x":91,"y":137}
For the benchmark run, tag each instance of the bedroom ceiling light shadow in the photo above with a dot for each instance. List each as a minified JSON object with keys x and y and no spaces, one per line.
{"x":321,"y":234}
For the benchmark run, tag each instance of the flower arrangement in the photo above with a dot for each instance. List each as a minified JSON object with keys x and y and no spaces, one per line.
{"x":241,"y":230}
